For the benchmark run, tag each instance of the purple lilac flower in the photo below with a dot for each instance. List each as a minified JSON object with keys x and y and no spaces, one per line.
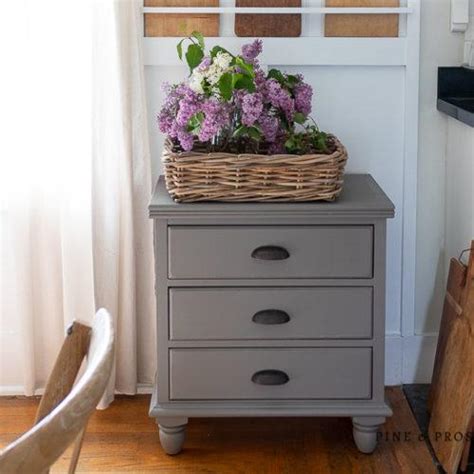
{"x":180,"y":104}
{"x":186,"y":140}
{"x":166,"y":115}
{"x":252,"y":50}
{"x":278,"y":146}
{"x":280,"y":98}
{"x":165,"y":121}
{"x":187,"y":108}
{"x":264,"y":107}
{"x":287,"y":104}
{"x":216,"y":117}
{"x":274,"y":92}
{"x":205,"y":63}
{"x":260,"y":82}
{"x":269,"y":125}
{"x":189,"y":104}
{"x":303,"y":96}
{"x":252,"y":107}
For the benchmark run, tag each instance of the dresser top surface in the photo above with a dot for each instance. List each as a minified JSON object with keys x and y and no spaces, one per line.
{"x":361,"y":195}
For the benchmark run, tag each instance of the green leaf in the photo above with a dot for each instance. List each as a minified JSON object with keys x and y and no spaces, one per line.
{"x":244,"y":82}
{"x":207,"y":88}
{"x":321,"y":142}
{"x":290,"y":144}
{"x":179,"y":47}
{"x":199,"y":37}
{"x":236,"y":77}
{"x":252,"y":132}
{"x":299,"y":118}
{"x":292,"y":80}
{"x":276,"y":74}
{"x":194,"y":56}
{"x":219,"y":49}
{"x":246,"y":68}
{"x":284,"y":122}
{"x":225,"y":86}
{"x":240,"y":130}
{"x":194,"y":123}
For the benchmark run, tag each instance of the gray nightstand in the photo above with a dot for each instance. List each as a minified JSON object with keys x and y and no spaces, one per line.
{"x":274,"y":309}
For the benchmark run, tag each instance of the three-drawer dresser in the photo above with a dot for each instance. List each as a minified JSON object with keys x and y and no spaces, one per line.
{"x":271,"y":309}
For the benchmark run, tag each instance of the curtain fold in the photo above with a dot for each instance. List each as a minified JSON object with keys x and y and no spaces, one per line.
{"x":75,"y":235}
{"x":121,"y":187}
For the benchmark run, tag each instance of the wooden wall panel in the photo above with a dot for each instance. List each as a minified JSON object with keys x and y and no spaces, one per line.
{"x":157,"y":24}
{"x":362,"y":25}
{"x":268,"y":25}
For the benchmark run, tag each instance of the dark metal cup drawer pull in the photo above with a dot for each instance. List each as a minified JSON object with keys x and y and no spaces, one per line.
{"x":270,"y":252}
{"x":270,"y":377}
{"x":271,"y":316}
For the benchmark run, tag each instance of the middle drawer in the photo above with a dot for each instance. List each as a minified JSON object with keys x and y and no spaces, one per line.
{"x":270,"y":313}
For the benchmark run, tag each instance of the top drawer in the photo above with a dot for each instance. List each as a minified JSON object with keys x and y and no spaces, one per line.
{"x":219,"y":252}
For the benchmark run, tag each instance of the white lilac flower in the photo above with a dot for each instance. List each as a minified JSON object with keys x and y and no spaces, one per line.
{"x":222,"y":60}
{"x":219,"y":66}
{"x":213,"y":74}
{"x":195,"y":81}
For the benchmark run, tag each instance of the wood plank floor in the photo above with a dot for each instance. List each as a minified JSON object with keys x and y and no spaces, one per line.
{"x":123,"y":439}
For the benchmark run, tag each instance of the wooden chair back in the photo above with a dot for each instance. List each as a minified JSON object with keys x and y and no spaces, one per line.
{"x":65,"y":408}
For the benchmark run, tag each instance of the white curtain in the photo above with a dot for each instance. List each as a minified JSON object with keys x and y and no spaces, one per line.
{"x":74,"y":229}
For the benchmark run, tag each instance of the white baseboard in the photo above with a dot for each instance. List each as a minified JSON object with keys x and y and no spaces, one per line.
{"x":408,"y":359}
{"x":15,"y":390}
{"x":144,"y":388}
{"x":393,"y":360}
{"x":418,"y":358}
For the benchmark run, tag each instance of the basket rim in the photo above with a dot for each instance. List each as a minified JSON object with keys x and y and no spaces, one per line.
{"x":340,"y":150}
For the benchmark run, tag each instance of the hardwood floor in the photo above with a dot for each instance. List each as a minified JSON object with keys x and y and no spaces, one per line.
{"x":123,"y":439}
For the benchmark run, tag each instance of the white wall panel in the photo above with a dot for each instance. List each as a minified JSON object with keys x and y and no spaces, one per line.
{"x":439,"y":47}
{"x":459,"y":189}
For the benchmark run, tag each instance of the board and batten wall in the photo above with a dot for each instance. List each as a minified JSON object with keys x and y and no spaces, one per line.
{"x":364,"y":106}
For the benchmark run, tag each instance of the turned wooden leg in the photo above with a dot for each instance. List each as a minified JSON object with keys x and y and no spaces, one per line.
{"x":172,"y":433}
{"x":365,"y":432}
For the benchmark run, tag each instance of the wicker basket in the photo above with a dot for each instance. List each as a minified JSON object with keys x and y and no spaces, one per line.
{"x":194,"y":176}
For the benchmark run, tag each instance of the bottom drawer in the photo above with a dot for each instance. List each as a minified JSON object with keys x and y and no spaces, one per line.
{"x":312,"y":373}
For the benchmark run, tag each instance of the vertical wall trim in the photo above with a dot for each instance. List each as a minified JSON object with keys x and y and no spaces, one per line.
{"x":410,"y":170}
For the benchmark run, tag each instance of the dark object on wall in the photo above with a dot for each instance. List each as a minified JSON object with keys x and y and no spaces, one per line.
{"x":451,"y":400}
{"x":268,"y":25}
{"x":456,"y":93}
{"x":157,"y":24}
{"x":362,"y":25}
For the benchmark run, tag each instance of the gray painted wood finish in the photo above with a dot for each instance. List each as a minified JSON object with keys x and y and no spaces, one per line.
{"x":312,"y":251}
{"x":172,"y":432}
{"x":312,"y":313}
{"x":319,"y":373}
{"x":332,"y":287}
